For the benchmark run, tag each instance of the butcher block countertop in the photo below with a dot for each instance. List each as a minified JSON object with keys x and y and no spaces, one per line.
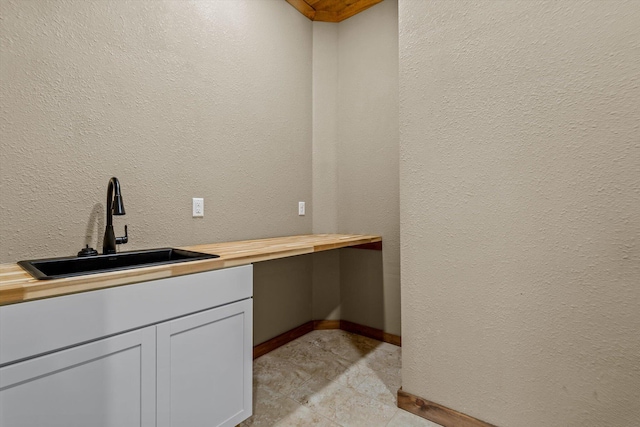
{"x":16,"y":285}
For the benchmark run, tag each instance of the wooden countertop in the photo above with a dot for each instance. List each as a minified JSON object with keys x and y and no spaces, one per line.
{"x":16,"y":285}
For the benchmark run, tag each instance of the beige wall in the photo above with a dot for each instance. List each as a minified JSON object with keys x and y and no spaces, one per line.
{"x":325,"y":127}
{"x":281,"y":296}
{"x":355,"y":178}
{"x":368,"y":191}
{"x":520,"y":201}
{"x":235,"y":101}
{"x":178,"y":99}
{"x":325,"y":142}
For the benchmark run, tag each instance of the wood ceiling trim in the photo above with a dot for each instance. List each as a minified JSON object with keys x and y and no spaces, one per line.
{"x":331,"y":11}
{"x":356,"y":8}
{"x":326,"y":16}
{"x":303,"y":8}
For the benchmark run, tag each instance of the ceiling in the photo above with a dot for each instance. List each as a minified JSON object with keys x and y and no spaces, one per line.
{"x":331,"y":10}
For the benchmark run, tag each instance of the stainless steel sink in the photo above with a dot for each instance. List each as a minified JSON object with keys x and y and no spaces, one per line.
{"x":56,"y":268}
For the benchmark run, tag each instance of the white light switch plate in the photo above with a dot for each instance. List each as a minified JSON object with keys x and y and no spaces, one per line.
{"x":301,"y":208}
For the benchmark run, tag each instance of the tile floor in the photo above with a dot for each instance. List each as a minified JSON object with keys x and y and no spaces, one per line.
{"x":330,"y":378}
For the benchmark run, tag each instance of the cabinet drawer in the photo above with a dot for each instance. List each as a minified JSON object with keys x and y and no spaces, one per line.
{"x":33,"y":328}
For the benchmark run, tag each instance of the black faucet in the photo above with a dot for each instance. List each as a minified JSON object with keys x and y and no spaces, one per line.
{"x":114,"y":206}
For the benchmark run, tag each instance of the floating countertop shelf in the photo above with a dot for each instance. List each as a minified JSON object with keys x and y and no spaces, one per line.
{"x":16,"y":285}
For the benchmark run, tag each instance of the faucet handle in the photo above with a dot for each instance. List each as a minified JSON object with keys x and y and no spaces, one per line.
{"x":124,"y":239}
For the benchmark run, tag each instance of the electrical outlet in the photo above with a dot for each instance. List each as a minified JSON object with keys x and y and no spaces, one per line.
{"x":198,"y":207}
{"x":301,"y":208}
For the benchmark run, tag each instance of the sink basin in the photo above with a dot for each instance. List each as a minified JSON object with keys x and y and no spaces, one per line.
{"x":56,"y":268}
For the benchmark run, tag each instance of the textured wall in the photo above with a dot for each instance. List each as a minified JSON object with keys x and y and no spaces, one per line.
{"x":281,"y":296}
{"x":367,"y":158}
{"x":325,"y":127}
{"x":325,"y":265}
{"x":178,"y":99}
{"x":355,"y":165}
{"x":520,"y":201}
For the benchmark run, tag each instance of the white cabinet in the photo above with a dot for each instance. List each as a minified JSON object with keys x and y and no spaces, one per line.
{"x":107,"y":383}
{"x":173,"y":352}
{"x":204,"y":368}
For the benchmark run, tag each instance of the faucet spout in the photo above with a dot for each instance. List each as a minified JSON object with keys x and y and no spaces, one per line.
{"x":114,"y":206}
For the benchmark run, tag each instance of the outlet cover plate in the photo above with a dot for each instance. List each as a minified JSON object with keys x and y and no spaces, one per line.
{"x":198,"y":207}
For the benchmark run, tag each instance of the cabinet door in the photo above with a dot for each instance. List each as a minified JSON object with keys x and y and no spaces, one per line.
{"x":106,"y":383}
{"x":205,"y":367}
